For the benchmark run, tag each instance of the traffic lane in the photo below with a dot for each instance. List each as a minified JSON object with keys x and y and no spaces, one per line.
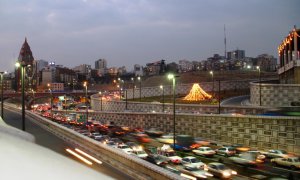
{"x":50,"y":141}
{"x":266,"y":169}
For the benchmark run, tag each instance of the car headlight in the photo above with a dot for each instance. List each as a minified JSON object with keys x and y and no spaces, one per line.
{"x":226,"y":174}
{"x":234,"y":172}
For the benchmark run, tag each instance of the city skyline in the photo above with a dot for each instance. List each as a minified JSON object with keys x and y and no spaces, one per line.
{"x":138,"y":32}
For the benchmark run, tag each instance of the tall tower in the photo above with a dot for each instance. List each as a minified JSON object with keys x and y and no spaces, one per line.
{"x":26,"y":57}
{"x":225,"y":41}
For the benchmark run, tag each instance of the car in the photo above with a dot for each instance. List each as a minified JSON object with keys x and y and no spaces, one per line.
{"x":133,"y":145}
{"x":275,"y":153}
{"x":220,"y":170}
{"x":140,"y":153}
{"x":244,"y":160}
{"x":154,"y":132}
{"x":240,"y":148}
{"x":156,"y":159}
{"x":204,"y":151}
{"x":125,"y":148}
{"x":142,"y":138}
{"x":180,"y":147}
{"x":168,"y":153}
{"x":291,"y":162}
{"x":193,"y":162}
{"x":195,"y":172}
{"x":166,"y":139}
{"x":260,"y":158}
{"x":226,"y":151}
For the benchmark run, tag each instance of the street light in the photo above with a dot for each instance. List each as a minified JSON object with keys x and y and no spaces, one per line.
{"x":87,"y":110}
{"x":171,"y":76}
{"x":23,"y":65}
{"x":100,"y":94}
{"x":2,"y":73}
{"x":51,"y":100}
{"x":139,"y":78}
{"x":163,"y":98}
{"x":133,"y":87}
{"x":258,"y":68}
{"x":212,"y":77}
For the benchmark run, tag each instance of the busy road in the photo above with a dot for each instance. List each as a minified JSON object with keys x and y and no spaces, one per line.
{"x":120,"y":137}
{"x":50,"y":141}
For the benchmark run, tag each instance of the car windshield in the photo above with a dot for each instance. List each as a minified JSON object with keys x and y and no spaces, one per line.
{"x":222,"y":167}
{"x":140,"y":152}
{"x":296,"y":160}
{"x":195,"y":160}
{"x":283,"y":152}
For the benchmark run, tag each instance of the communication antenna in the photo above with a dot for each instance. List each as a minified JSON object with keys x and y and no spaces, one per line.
{"x":225,"y":41}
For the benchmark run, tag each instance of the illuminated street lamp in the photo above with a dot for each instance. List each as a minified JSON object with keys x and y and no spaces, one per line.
{"x":173,"y":77}
{"x":212,"y":77}
{"x":86,"y":103}
{"x":140,"y":80}
{"x":100,"y":94}
{"x":258,"y":68}
{"x":2,"y":73}
{"x":23,"y":65}
{"x":163,"y":98}
{"x":51,"y":99}
{"x":133,"y":87}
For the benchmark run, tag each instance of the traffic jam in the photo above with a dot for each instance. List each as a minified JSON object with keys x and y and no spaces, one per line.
{"x":193,"y":158}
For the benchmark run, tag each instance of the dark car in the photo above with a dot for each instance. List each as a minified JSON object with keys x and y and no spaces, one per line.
{"x":156,"y":159}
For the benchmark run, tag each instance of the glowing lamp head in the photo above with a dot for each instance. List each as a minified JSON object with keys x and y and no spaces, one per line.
{"x":170,"y":76}
{"x":17,"y":64}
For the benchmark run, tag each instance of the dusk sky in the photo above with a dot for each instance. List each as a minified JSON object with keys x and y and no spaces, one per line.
{"x":128,"y":32}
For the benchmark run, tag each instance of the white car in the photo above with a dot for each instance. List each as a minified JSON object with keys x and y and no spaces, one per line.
{"x":205,"y":151}
{"x":195,"y":172}
{"x":125,"y":148}
{"x":291,"y":162}
{"x":140,"y":153}
{"x":275,"y":153}
{"x":193,"y":162}
{"x":220,"y":170}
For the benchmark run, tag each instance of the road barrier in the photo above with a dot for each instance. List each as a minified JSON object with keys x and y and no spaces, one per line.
{"x":128,"y":164}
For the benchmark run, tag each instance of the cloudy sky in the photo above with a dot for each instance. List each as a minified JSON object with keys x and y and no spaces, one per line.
{"x":128,"y":32}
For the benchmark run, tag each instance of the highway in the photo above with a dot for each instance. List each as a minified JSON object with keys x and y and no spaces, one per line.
{"x":50,"y":141}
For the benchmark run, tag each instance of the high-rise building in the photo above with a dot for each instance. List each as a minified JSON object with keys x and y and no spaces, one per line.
{"x":101,"y":64}
{"x":26,"y":58}
{"x":237,"y":54}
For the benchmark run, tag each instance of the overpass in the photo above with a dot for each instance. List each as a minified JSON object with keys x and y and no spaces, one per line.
{"x":45,"y":94}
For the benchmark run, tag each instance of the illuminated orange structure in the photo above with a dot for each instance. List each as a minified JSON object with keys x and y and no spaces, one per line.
{"x":197,"y":94}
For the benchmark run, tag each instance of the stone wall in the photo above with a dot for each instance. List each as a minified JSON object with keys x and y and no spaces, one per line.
{"x":120,"y":106}
{"x":255,"y":131}
{"x":274,"y":95}
{"x":185,"y":88}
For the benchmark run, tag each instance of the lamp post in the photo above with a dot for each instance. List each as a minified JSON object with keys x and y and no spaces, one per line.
{"x":125,"y":99}
{"x":171,"y":76}
{"x":100,"y":94}
{"x":258,"y":68}
{"x":212,"y":77}
{"x":51,"y":100}
{"x":163,"y":98}
{"x":2,"y":73}
{"x":219,"y":98}
{"x":86,"y":103}
{"x":23,"y":65}
{"x":139,"y":78}
{"x":133,"y":88}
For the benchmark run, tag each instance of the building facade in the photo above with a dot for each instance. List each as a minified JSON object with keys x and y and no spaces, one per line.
{"x":26,"y":60}
{"x":289,"y":58}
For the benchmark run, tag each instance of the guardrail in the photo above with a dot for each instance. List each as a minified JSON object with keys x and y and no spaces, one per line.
{"x":130,"y":165}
